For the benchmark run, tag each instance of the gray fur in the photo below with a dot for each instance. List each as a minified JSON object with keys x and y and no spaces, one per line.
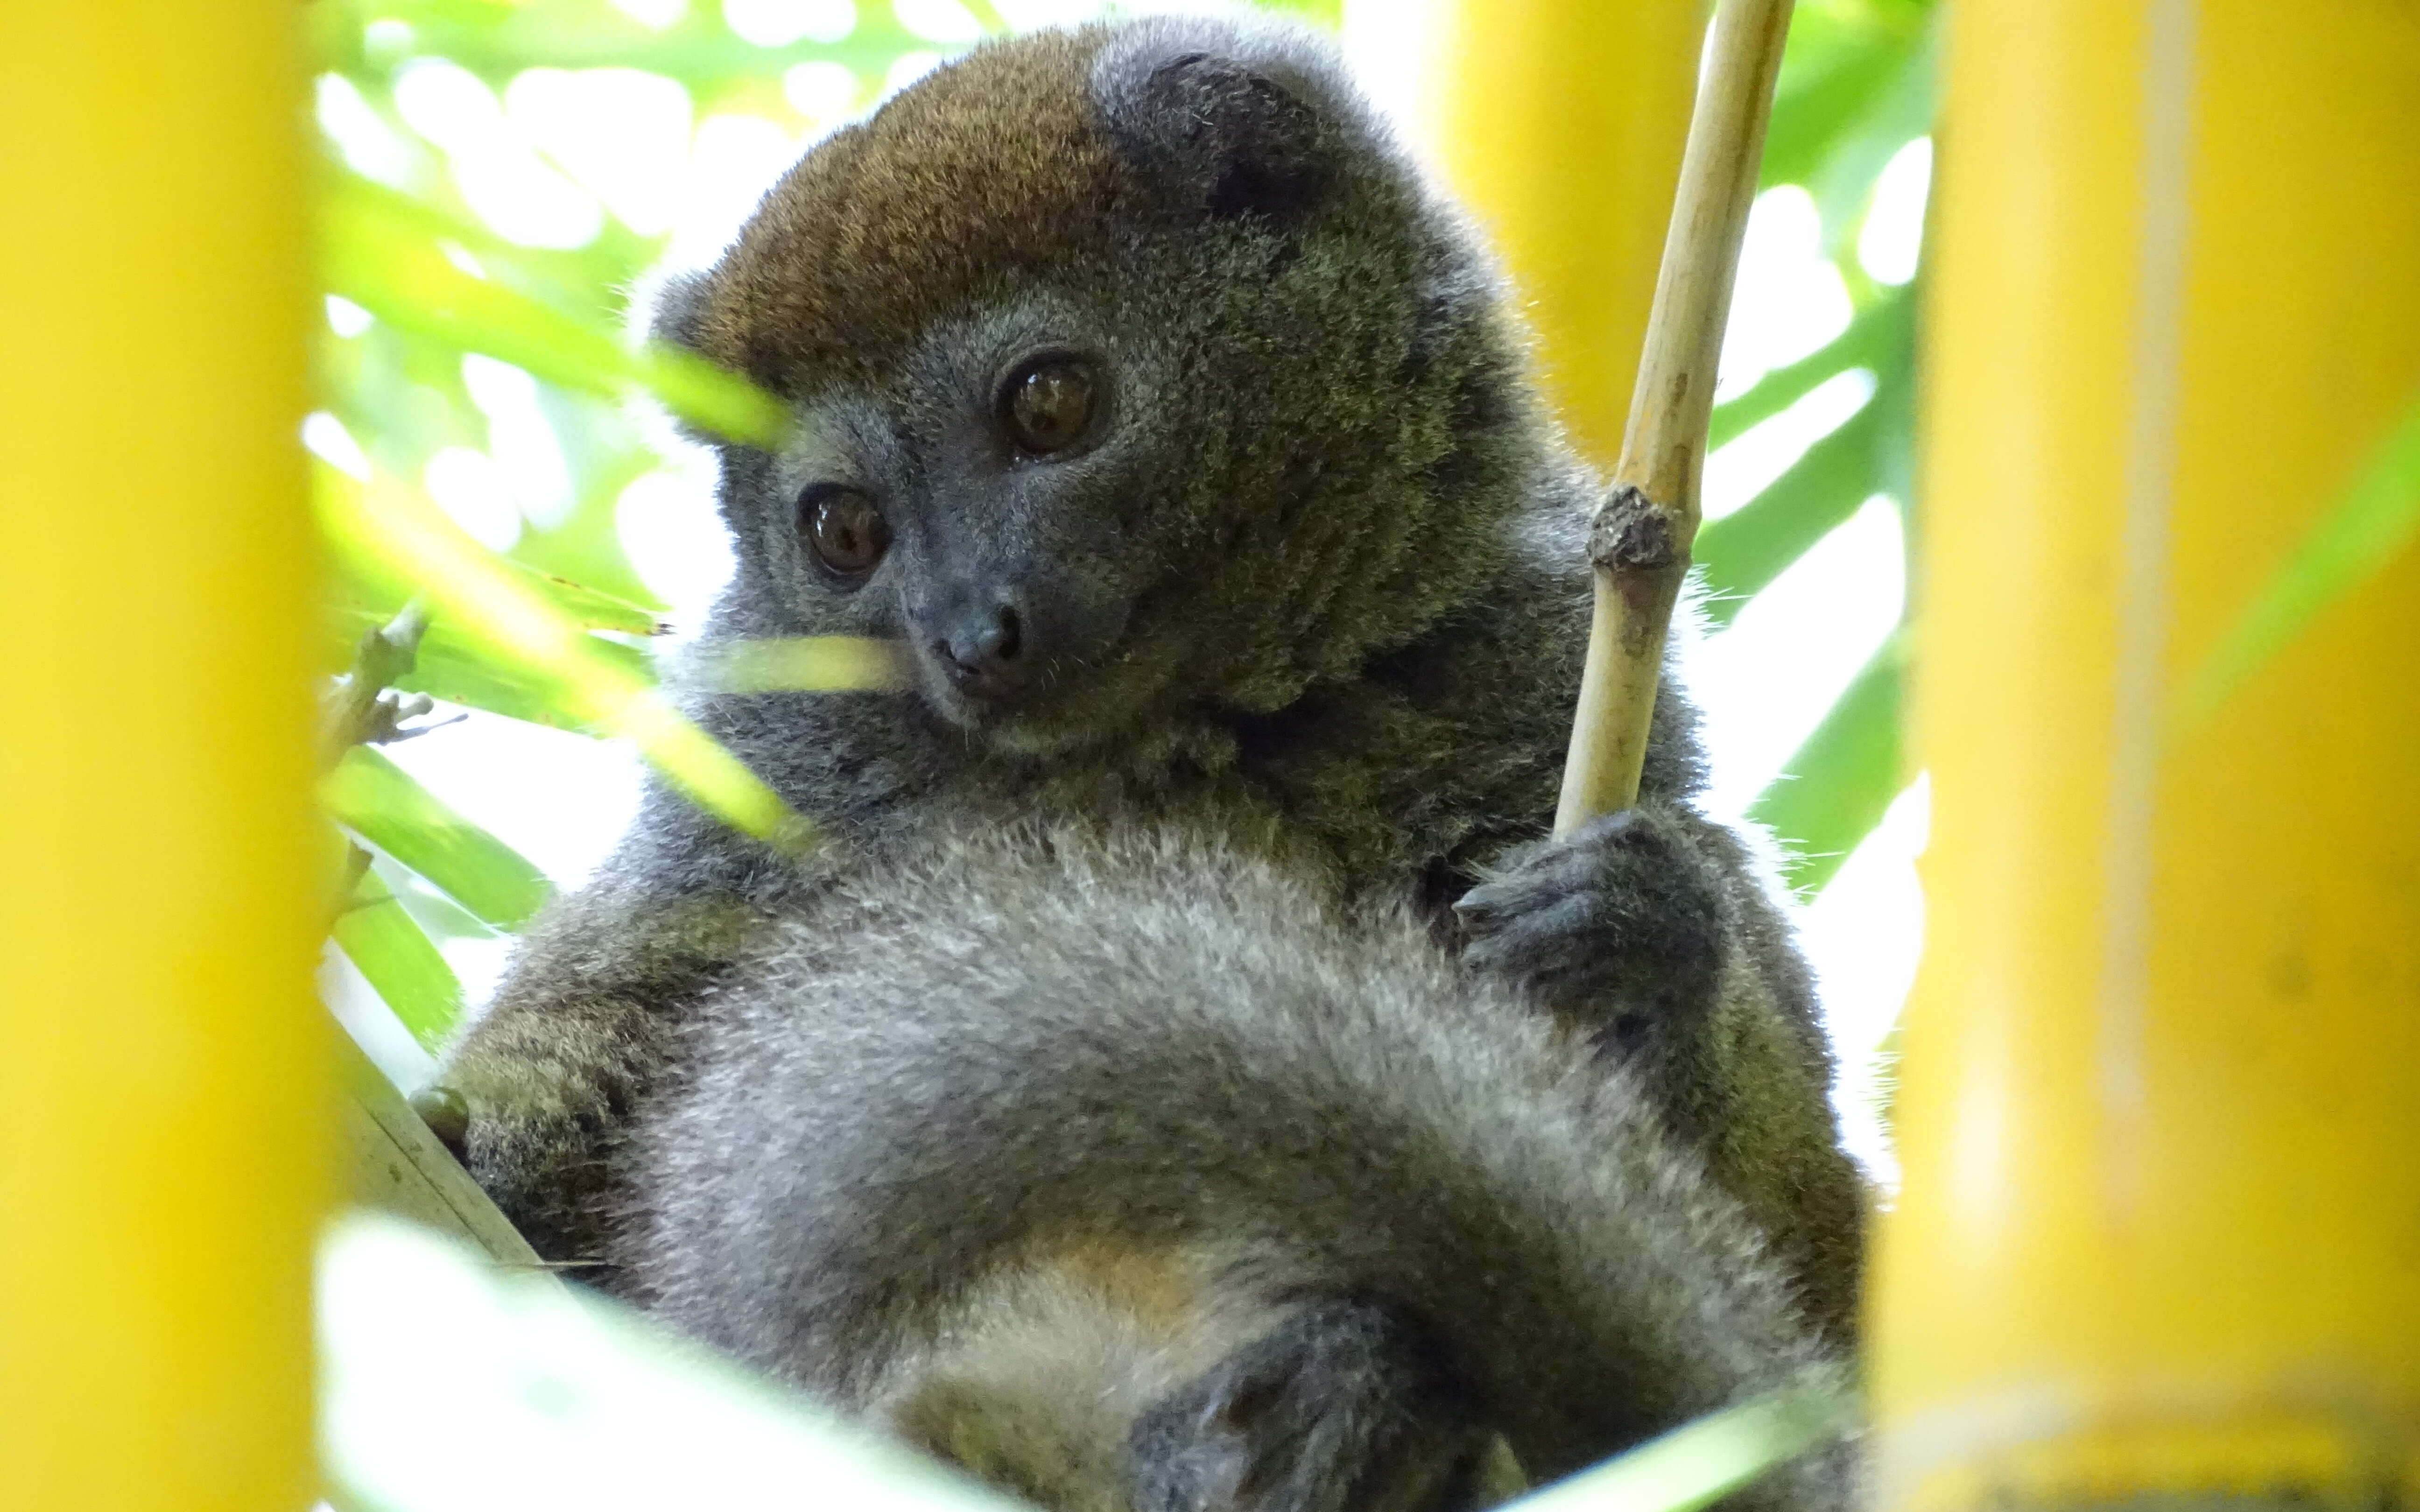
{"x":1318,"y":591}
{"x":1132,"y":1173}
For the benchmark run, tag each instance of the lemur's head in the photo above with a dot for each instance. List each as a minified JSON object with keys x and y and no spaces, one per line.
{"x":1133,"y":371}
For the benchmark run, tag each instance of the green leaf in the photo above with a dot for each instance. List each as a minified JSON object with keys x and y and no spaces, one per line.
{"x":593,"y":608}
{"x":391,"y":951}
{"x":1326,"y":14}
{"x":590,"y":283}
{"x":460,"y":671}
{"x":1904,"y":110}
{"x":1837,"y":786}
{"x":590,"y":609}
{"x":449,"y":1383}
{"x":813,"y":664}
{"x":1840,"y":72}
{"x":2369,"y":525}
{"x":380,"y":802}
{"x":459,"y":668}
{"x":469,"y":589}
{"x":1716,"y":1455}
{"x":385,"y":262}
{"x":1740,"y":553}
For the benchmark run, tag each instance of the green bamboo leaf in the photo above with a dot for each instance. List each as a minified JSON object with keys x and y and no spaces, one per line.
{"x":391,"y":949}
{"x":460,"y":671}
{"x":590,"y":283}
{"x":1327,"y":14}
{"x":469,"y":587}
{"x":380,"y":802}
{"x":1741,"y":552}
{"x":1710,"y":1457}
{"x":812,"y":663}
{"x":592,"y":608}
{"x":2369,"y":526}
{"x":449,"y":1383}
{"x":391,"y":267}
{"x":458,"y":667}
{"x":1844,"y":181}
{"x":1882,"y":337}
{"x":1835,"y":788}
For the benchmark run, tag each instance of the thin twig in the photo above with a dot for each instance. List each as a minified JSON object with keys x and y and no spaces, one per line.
{"x":1639,"y":542}
{"x":361,"y":711}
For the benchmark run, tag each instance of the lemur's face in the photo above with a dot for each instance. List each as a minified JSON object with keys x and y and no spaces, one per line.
{"x":1005,"y":509}
{"x":1126,"y":368}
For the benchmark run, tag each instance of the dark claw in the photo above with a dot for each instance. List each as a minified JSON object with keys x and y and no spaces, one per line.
{"x":1483,"y":904}
{"x":1549,"y":929}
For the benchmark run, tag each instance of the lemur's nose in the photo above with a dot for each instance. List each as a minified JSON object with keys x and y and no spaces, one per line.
{"x":982,"y":646}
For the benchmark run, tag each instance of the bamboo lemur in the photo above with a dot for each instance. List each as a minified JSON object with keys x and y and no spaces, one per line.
{"x":1161,"y":1184}
{"x":1144,"y":390}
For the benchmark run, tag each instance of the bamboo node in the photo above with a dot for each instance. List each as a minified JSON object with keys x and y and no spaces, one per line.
{"x":1633,"y":533}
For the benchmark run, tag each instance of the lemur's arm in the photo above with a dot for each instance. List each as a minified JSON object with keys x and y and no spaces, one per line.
{"x":1647,"y":930}
{"x":583,"y":1021}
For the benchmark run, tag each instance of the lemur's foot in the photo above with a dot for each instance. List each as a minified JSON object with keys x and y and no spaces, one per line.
{"x":1341,"y":1407}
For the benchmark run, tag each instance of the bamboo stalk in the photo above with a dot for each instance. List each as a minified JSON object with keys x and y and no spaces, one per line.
{"x":1640,"y":539}
{"x":163,"y":1069}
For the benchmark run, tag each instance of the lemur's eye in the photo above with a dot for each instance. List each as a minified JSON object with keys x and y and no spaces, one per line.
{"x":848,"y":533}
{"x":1047,"y":406}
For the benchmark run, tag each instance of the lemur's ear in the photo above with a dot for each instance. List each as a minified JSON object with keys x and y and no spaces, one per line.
{"x":1222,"y":115}
{"x":677,"y":309}
{"x":674,"y":310}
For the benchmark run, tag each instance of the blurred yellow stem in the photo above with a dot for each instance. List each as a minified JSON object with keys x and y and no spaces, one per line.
{"x":1571,"y":178}
{"x":165,"y":1112}
{"x":2158,"y":1240}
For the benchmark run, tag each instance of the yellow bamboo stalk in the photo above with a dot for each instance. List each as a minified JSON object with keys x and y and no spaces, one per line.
{"x":162,"y":1111}
{"x":1569,"y":173}
{"x":2160,"y":1106}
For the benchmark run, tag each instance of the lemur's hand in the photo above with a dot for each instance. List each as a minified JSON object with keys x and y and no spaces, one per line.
{"x":1617,"y":927}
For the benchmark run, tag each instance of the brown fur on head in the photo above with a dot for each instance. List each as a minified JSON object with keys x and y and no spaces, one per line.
{"x":1035,"y":161}
{"x":982,"y":174}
